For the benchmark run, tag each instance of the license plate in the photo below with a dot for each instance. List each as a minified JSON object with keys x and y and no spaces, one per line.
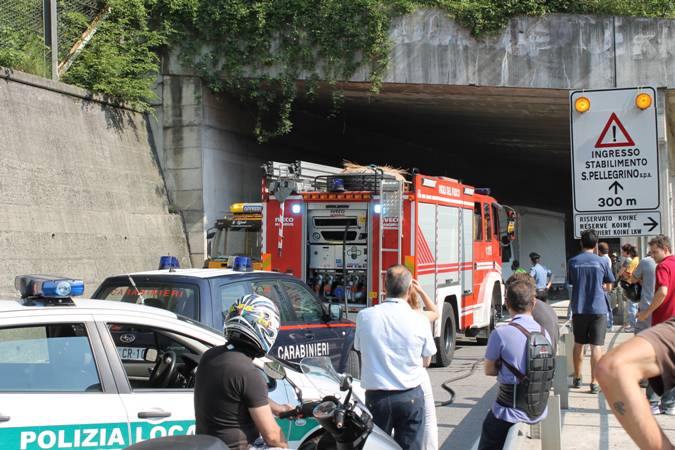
{"x":131,"y":353}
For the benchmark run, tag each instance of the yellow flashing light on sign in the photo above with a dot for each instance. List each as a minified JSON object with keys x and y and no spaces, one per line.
{"x":643,"y":101}
{"x":237,"y":208}
{"x":582,"y":104}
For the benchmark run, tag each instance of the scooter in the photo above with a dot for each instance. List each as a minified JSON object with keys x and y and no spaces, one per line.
{"x":348,"y":423}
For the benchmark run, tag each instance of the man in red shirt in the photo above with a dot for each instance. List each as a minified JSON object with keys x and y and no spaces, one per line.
{"x":663,"y":304}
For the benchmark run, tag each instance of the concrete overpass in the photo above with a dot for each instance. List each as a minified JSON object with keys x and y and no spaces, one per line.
{"x":492,"y":111}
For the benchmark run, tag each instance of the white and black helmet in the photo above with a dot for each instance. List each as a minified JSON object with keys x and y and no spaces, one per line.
{"x":253,"y":321}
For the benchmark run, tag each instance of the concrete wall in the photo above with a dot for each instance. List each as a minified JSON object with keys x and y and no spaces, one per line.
{"x":82,"y":194}
{"x":555,"y":51}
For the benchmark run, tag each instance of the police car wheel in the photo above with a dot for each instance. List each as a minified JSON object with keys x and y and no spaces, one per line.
{"x":354,"y":364}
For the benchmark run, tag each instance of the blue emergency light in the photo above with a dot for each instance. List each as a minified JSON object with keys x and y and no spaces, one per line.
{"x":337,"y":185}
{"x":45,"y":286}
{"x":242,"y":264}
{"x":168,"y":262}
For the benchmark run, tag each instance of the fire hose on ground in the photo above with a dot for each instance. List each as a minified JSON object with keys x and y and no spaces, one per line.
{"x":449,"y":390}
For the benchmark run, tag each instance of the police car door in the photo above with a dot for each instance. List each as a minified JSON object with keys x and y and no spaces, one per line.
{"x":56,"y":387}
{"x":152,"y":371}
{"x":310,"y":334}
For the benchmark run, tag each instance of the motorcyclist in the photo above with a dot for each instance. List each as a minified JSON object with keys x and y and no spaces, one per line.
{"x":231,"y":397}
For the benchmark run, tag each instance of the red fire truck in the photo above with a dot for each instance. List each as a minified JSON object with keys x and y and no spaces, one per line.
{"x":340,"y":231}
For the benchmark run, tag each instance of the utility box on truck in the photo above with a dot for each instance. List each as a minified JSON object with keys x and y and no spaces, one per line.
{"x":339,"y":232}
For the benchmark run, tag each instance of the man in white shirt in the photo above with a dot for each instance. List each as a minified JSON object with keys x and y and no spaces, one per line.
{"x":396,"y":345}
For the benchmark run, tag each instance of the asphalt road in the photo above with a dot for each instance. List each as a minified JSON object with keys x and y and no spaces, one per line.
{"x":459,"y":424}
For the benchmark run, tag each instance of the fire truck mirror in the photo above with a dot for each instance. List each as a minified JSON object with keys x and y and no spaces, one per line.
{"x":336,"y":312}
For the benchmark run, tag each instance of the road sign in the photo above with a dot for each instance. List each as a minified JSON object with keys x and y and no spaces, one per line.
{"x":619,"y":224}
{"x":614,"y":152}
{"x":615,"y":165}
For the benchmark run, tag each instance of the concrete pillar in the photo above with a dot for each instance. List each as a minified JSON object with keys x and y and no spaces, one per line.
{"x":182,"y":158}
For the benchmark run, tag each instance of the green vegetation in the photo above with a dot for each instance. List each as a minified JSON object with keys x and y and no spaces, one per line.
{"x":231,"y":42}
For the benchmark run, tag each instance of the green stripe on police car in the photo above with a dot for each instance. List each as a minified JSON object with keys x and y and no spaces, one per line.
{"x":95,"y":435}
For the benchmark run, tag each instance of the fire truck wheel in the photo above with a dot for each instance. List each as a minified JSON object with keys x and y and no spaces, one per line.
{"x":354,"y":364}
{"x":446,"y":342}
{"x":483,"y":340}
{"x":494,"y":313}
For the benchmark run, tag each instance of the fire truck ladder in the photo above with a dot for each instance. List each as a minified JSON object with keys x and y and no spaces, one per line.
{"x":391,"y":219}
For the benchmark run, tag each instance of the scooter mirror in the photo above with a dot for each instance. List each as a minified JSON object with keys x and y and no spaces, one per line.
{"x":346,"y":382}
{"x":274,"y":370}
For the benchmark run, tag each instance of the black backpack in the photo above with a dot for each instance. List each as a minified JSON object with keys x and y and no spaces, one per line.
{"x":530,"y":395}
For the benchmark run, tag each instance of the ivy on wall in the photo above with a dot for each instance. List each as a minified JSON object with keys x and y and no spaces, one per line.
{"x":230,"y":43}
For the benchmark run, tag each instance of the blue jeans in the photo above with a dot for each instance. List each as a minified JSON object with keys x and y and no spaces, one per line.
{"x":667,"y":400}
{"x":631,"y":308}
{"x":401,"y":412}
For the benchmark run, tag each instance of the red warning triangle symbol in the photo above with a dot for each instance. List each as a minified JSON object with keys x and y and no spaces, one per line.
{"x":614,"y":134}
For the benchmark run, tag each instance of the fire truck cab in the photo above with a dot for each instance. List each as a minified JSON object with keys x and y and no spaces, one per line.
{"x":339,"y":232}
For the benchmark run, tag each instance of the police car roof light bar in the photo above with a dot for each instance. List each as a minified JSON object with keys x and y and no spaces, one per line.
{"x":242,"y":264}
{"x":48,"y":287}
{"x":168,"y":262}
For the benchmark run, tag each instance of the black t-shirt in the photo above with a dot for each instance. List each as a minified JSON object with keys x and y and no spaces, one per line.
{"x":546,"y":316}
{"x":227,"y":384}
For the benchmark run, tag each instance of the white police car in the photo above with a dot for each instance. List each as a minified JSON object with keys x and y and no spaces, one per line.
{"x":104,"y":375}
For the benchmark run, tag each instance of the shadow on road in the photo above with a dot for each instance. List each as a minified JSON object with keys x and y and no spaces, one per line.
{"x":467,"y":432}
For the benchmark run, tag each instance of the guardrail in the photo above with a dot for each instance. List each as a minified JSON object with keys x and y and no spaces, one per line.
{"x":549,"y":430}
{"x":515,"y":437}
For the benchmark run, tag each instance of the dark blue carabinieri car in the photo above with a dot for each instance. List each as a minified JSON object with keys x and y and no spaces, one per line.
{"x":308,"y":328}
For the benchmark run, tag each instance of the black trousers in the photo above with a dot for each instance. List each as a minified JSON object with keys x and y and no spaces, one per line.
{"x":401,"y":412}
{"x":494,"y":433}
{"x":542,"y":294}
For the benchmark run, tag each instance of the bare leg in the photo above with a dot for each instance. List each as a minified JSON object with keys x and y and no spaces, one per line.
{"x":578,"y":359}
{"x":619,"y":374}
{"x":596,"y":354}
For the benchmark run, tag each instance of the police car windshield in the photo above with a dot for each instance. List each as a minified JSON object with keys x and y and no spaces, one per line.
{"x":181,"y":299}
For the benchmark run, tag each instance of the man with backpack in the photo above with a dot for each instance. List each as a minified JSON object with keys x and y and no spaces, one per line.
{"x":517,"y":354}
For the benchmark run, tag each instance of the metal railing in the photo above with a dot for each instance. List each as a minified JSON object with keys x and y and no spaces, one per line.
{"x":26,"y":32}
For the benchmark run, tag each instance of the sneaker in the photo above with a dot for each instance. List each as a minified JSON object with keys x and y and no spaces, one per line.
{"x":669,"y":411}
{"x":576,"y":383}
{"x":595,"y":388}
{"x":656,"y":410}
{"x":629,"y":329}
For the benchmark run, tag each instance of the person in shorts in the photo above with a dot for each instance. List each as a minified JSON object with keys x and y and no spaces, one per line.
{"x":649,"y":355}
{"x":590,"y":276}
